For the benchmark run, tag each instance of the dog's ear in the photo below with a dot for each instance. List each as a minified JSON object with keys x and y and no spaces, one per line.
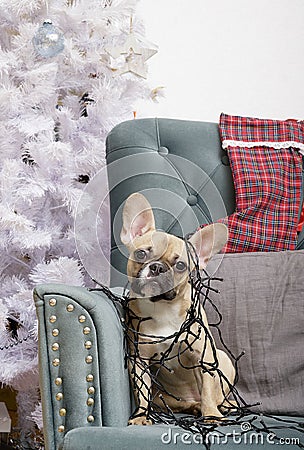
{"x":137,"y":218}
{"x":208,"y":241}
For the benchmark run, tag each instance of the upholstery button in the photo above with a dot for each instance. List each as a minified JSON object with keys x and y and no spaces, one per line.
{"x":225,"y":160}
{"x":192,"y":200}
{"x":163,"y":151}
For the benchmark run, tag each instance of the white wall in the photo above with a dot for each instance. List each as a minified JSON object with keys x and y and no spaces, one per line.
{"x":243,"y":57}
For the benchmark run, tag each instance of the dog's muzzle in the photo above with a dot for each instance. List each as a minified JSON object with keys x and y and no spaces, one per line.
{"x":155,"y":281}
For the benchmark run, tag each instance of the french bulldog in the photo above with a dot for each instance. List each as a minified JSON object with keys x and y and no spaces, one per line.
{"x":160,"y":296}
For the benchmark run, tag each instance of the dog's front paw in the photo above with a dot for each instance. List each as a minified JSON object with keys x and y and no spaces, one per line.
{"x":195,"y":409}
{"x":214,"y":418}
{"x":142,"y":420}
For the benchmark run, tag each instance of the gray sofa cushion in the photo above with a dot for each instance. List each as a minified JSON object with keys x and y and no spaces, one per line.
{"x":261,"y":301}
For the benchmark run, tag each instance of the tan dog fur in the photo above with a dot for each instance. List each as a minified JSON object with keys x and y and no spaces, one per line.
{"x":199,"y":393}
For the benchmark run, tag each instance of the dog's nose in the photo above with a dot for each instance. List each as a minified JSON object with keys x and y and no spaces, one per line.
{"x":156,"y":268}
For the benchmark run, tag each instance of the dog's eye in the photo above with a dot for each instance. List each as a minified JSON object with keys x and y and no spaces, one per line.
{"x":180,"y":266}
{"x":140,"y":255}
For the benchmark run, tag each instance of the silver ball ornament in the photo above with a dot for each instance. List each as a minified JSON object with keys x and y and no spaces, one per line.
{"x":48,"y":40}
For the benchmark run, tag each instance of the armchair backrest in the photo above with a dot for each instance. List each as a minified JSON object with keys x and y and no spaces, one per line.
{"x":178,"y":165}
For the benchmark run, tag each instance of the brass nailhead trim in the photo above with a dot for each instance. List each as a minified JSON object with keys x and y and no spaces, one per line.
{"x":55,"y":346}
{"x":90,"y":378}
{"x":58,"y":381}
{"x":82,"y":318}
{"x":90,"y":401}
{"x":56,"y":362}
{"x":52,"y":302}
{"x":61,"y":429}
{"x":86,"y":330}
{"x":62,"y":412}
{"x":59,"y":396}
{"x":91,"y":418}
{"x":91,"y":390}
{"x":88,"y":345}
{"x":89,"y":359}
{"x":55,"y":332}
{"x":53,"y":319}
{"x":70,"y":308}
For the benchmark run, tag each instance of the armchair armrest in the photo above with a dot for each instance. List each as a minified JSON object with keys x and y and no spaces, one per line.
{"x":83,"y":379}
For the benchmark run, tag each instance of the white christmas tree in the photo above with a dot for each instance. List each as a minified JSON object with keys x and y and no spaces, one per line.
{"x":70,"y":70}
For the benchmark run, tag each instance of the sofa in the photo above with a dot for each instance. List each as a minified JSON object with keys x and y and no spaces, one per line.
{"x":182,"y":169}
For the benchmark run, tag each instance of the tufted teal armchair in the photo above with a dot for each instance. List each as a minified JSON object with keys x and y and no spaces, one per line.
{"x":183,"y":171}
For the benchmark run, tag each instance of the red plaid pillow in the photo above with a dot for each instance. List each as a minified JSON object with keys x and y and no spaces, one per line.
{"x":266,"y":165}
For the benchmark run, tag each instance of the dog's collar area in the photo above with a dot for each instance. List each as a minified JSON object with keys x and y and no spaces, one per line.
{"x":167,"y":296}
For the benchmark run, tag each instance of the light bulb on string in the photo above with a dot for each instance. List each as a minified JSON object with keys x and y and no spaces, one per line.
{"x":48,"y":41}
